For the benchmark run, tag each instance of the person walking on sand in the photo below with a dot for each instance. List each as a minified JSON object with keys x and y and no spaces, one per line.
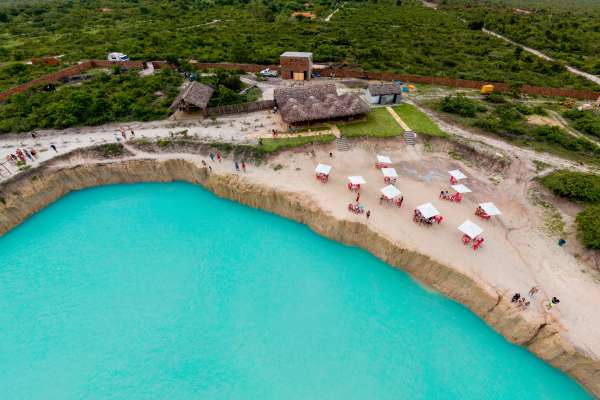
{"x":218,"y":156}
{"x":330,"y":154}
{"x":243,"y":166}
{"x":28,"y":154}
{"x":53,"y":147}
{"x":33,"y":135}
{"x":132,"y":133}
{"x":209,"y":168}
{"x":212,"y":157}
{"x":33,"y":153}
{"x":357,"y":197}
{"x":237,"y":166}
{"x":124,"y":134}
{"x":368,"y":214}
{"x":533,"y":291}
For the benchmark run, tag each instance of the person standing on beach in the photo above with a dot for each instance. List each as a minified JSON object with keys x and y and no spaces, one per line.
{"x":212,"y":157}
{"x":237,"y":166}
{"x":53,"y":147}
{"x":33,"y":135}
{"x":243,"y":166}
{"x":368,"y":214}
{"x":124,"y":134}
{"x":33,"y":153}
{"x":218,"y":156}
{"x":533,"y":291}
{"x":357,"y":197}
{"x":28,"y":154}
{"x":132,"y":133}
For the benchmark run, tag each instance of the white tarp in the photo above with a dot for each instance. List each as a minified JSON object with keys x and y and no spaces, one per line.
{"x":461,"y":189}
{"x":490,"y":209}
{"x":470,"y":229}
{"x":383,"y":159}
{"x":357,"y":180}
{"x":323,"y":169}
{"x":457,"y":174}
{"x":427,"y":210}
{"x":391,"y":191}
{"x":389,"y":172}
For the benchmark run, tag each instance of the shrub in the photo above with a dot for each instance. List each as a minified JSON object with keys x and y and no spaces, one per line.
{"x":495,"y":97}
{"x":574,"y":185}
{"x":461,"y":105}
{"x":588,"y":227}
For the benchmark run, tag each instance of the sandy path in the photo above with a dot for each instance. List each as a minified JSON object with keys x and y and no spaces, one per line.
{"x":397,"y":118}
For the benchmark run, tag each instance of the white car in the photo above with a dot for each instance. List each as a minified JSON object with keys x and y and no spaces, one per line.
{"x":117,"y":57}
{"x":268,"y":72}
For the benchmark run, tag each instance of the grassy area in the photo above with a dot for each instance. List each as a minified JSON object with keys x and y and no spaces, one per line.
{"x":379,"y":124}
{"x":272,"y":145}
{"x":418,"y":121}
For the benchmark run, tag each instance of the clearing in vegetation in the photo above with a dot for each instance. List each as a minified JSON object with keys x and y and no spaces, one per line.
{"x":417,"y":121}
{"x":272,"y":145}
{"x":379,"y":124}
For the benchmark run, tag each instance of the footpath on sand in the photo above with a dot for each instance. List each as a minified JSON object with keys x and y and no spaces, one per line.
{"x":397,"y":118}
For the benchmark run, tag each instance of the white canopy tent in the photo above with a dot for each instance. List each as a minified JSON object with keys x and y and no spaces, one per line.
{"x":391,"y":192}
{"x":470,"y":229}
{"x":460,"y":188}
{"x":490,"y":209}
{"x":323,"y":169}
{"x":427,"y":210}
{"x":389,"y":172}
{"x":457,"y":174}
{"x":357,"y":180}
{"x":383,"y":159}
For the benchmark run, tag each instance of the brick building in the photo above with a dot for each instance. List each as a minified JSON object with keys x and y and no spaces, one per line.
{"x":296,"y":65}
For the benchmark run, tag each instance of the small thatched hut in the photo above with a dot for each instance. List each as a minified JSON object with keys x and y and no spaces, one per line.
{"x":385,"y":93}
{"x":194,"y":96}
{"x":317,"y":103}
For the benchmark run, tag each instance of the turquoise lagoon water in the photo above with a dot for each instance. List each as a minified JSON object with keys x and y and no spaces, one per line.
{"x":163,"y":291}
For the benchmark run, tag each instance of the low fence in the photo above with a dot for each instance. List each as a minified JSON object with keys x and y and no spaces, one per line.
{"x":327,"y":72}
{"x":242,"y":108}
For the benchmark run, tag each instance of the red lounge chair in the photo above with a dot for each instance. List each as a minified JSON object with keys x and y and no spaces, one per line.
{"x":466,"y":239}
{"x":456,"y":197}
{"x":453,"y":180}
{"x":478,"y":243}
{"x":438,"y":219}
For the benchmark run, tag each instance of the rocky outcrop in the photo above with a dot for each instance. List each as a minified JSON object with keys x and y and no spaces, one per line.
{"x":34,"y":190}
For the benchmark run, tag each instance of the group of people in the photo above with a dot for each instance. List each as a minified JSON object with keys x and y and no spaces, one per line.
{"x":397,"y":201}
{"x":420,"y":219}
{"x":481,"y":213}
{"x":123,"y":133}
{"x":522,"y":303}
{"x":358,"y":208}
{"x":445,"y":195}
{"x":22,"y":155}
{"x":241,"y":165}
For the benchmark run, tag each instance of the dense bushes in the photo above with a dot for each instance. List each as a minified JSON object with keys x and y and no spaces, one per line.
{"x":587,"y":122}
{"x":373,"y":35}
{"x":574,"y":185}
{"x":584,"y":187}
{"x":461,"y":105}
{"x":104,"y":98}
{"x":588,"y":227}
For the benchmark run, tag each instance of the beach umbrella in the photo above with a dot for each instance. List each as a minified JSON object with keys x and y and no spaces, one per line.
{"x":470,"y":229}
{"x":490,"y":209}
{"x":427,"y":210}
{"x":391,"y":192}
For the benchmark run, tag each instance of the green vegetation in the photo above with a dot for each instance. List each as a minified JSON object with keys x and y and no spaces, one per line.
{"x":588,"y":226}
{"x":379,"y":124}
{"x":418,"y":121}
{"x":384,"y":35}
{"x":16,"y":73}
{"x":587,"y":122}
{"x":228,"y":88}
{"x":566,"y":30}
{"x":110,"y":150}
{"x":508,"y":120}
{"x":104,"y":98}
{"x":272,"y":145}
{"x":576,"y":186}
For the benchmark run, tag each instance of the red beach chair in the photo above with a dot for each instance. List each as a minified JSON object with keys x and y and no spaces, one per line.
{"x":456,"y":197}
{"x":453,"y":180}
{"x":466,"y":239}
{"x":438,"y":219}
{"x":478,"y":243}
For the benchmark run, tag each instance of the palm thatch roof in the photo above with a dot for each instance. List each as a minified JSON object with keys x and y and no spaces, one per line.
{"x":317,"y":102}
{"x":384,"y":89}
{"x":195,"y":94}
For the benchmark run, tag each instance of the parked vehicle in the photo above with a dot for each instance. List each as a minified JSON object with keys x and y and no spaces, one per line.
{"x":268,"y":72}
{"x":117,"y":57}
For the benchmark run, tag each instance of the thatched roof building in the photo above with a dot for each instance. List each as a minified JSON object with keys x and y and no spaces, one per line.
{"x":317,"y":103}
{"x":385,"y":93}
{"x":194,"y":96}
{"x":384,"y":89}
